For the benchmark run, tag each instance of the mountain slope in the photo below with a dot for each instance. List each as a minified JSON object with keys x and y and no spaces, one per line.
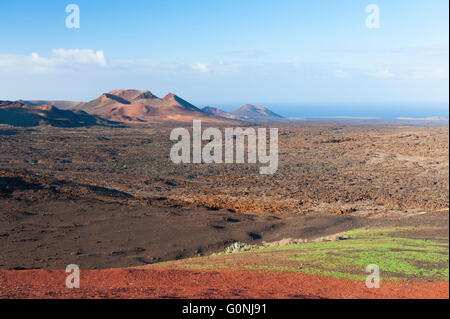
{"x":20,"y":114}
{"x":63,"y":105}
{"x":219,"y":112}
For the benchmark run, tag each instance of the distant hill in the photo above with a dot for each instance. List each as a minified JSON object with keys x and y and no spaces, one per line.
{"x":141,"y":107}
{"x":256,"y":113}
{"x":247,"y":113}
{"x":20,"y":114}
{"x":219,"y":112}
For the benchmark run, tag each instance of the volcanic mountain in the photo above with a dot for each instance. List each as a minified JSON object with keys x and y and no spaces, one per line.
{"x":219,"y":112}
{"x":141,"y":106}
{"x":20,"y":114}
{"x":256,"y":113}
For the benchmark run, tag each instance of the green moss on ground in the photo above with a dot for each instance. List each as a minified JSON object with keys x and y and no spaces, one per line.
{"x":397,"y":257}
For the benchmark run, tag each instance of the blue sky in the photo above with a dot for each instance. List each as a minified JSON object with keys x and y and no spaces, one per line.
{"x":284,"y":54}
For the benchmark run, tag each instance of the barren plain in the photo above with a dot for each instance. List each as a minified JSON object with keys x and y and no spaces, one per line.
{"x":104,"y":197}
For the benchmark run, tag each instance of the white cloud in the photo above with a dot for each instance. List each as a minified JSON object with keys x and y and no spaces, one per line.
{"x":80,"y":56}
{"x":221,"y":68}
{"x":382,"y":74}
{"x":440,"y":73}
{"x":436,"y":73}
{"x":342,"y":74}
{"x":59,"y":60}
{"x":200,"y":67}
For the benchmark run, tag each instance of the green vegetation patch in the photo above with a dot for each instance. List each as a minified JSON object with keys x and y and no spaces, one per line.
{"x":397,"y":258}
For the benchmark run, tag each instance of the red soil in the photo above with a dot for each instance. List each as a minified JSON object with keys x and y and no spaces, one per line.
{"x":165,"y":283}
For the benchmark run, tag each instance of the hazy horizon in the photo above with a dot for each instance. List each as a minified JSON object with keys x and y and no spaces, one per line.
{"x":320,"y":110}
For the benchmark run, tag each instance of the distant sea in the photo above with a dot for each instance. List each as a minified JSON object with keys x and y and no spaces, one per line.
{"x":381,"y":111}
